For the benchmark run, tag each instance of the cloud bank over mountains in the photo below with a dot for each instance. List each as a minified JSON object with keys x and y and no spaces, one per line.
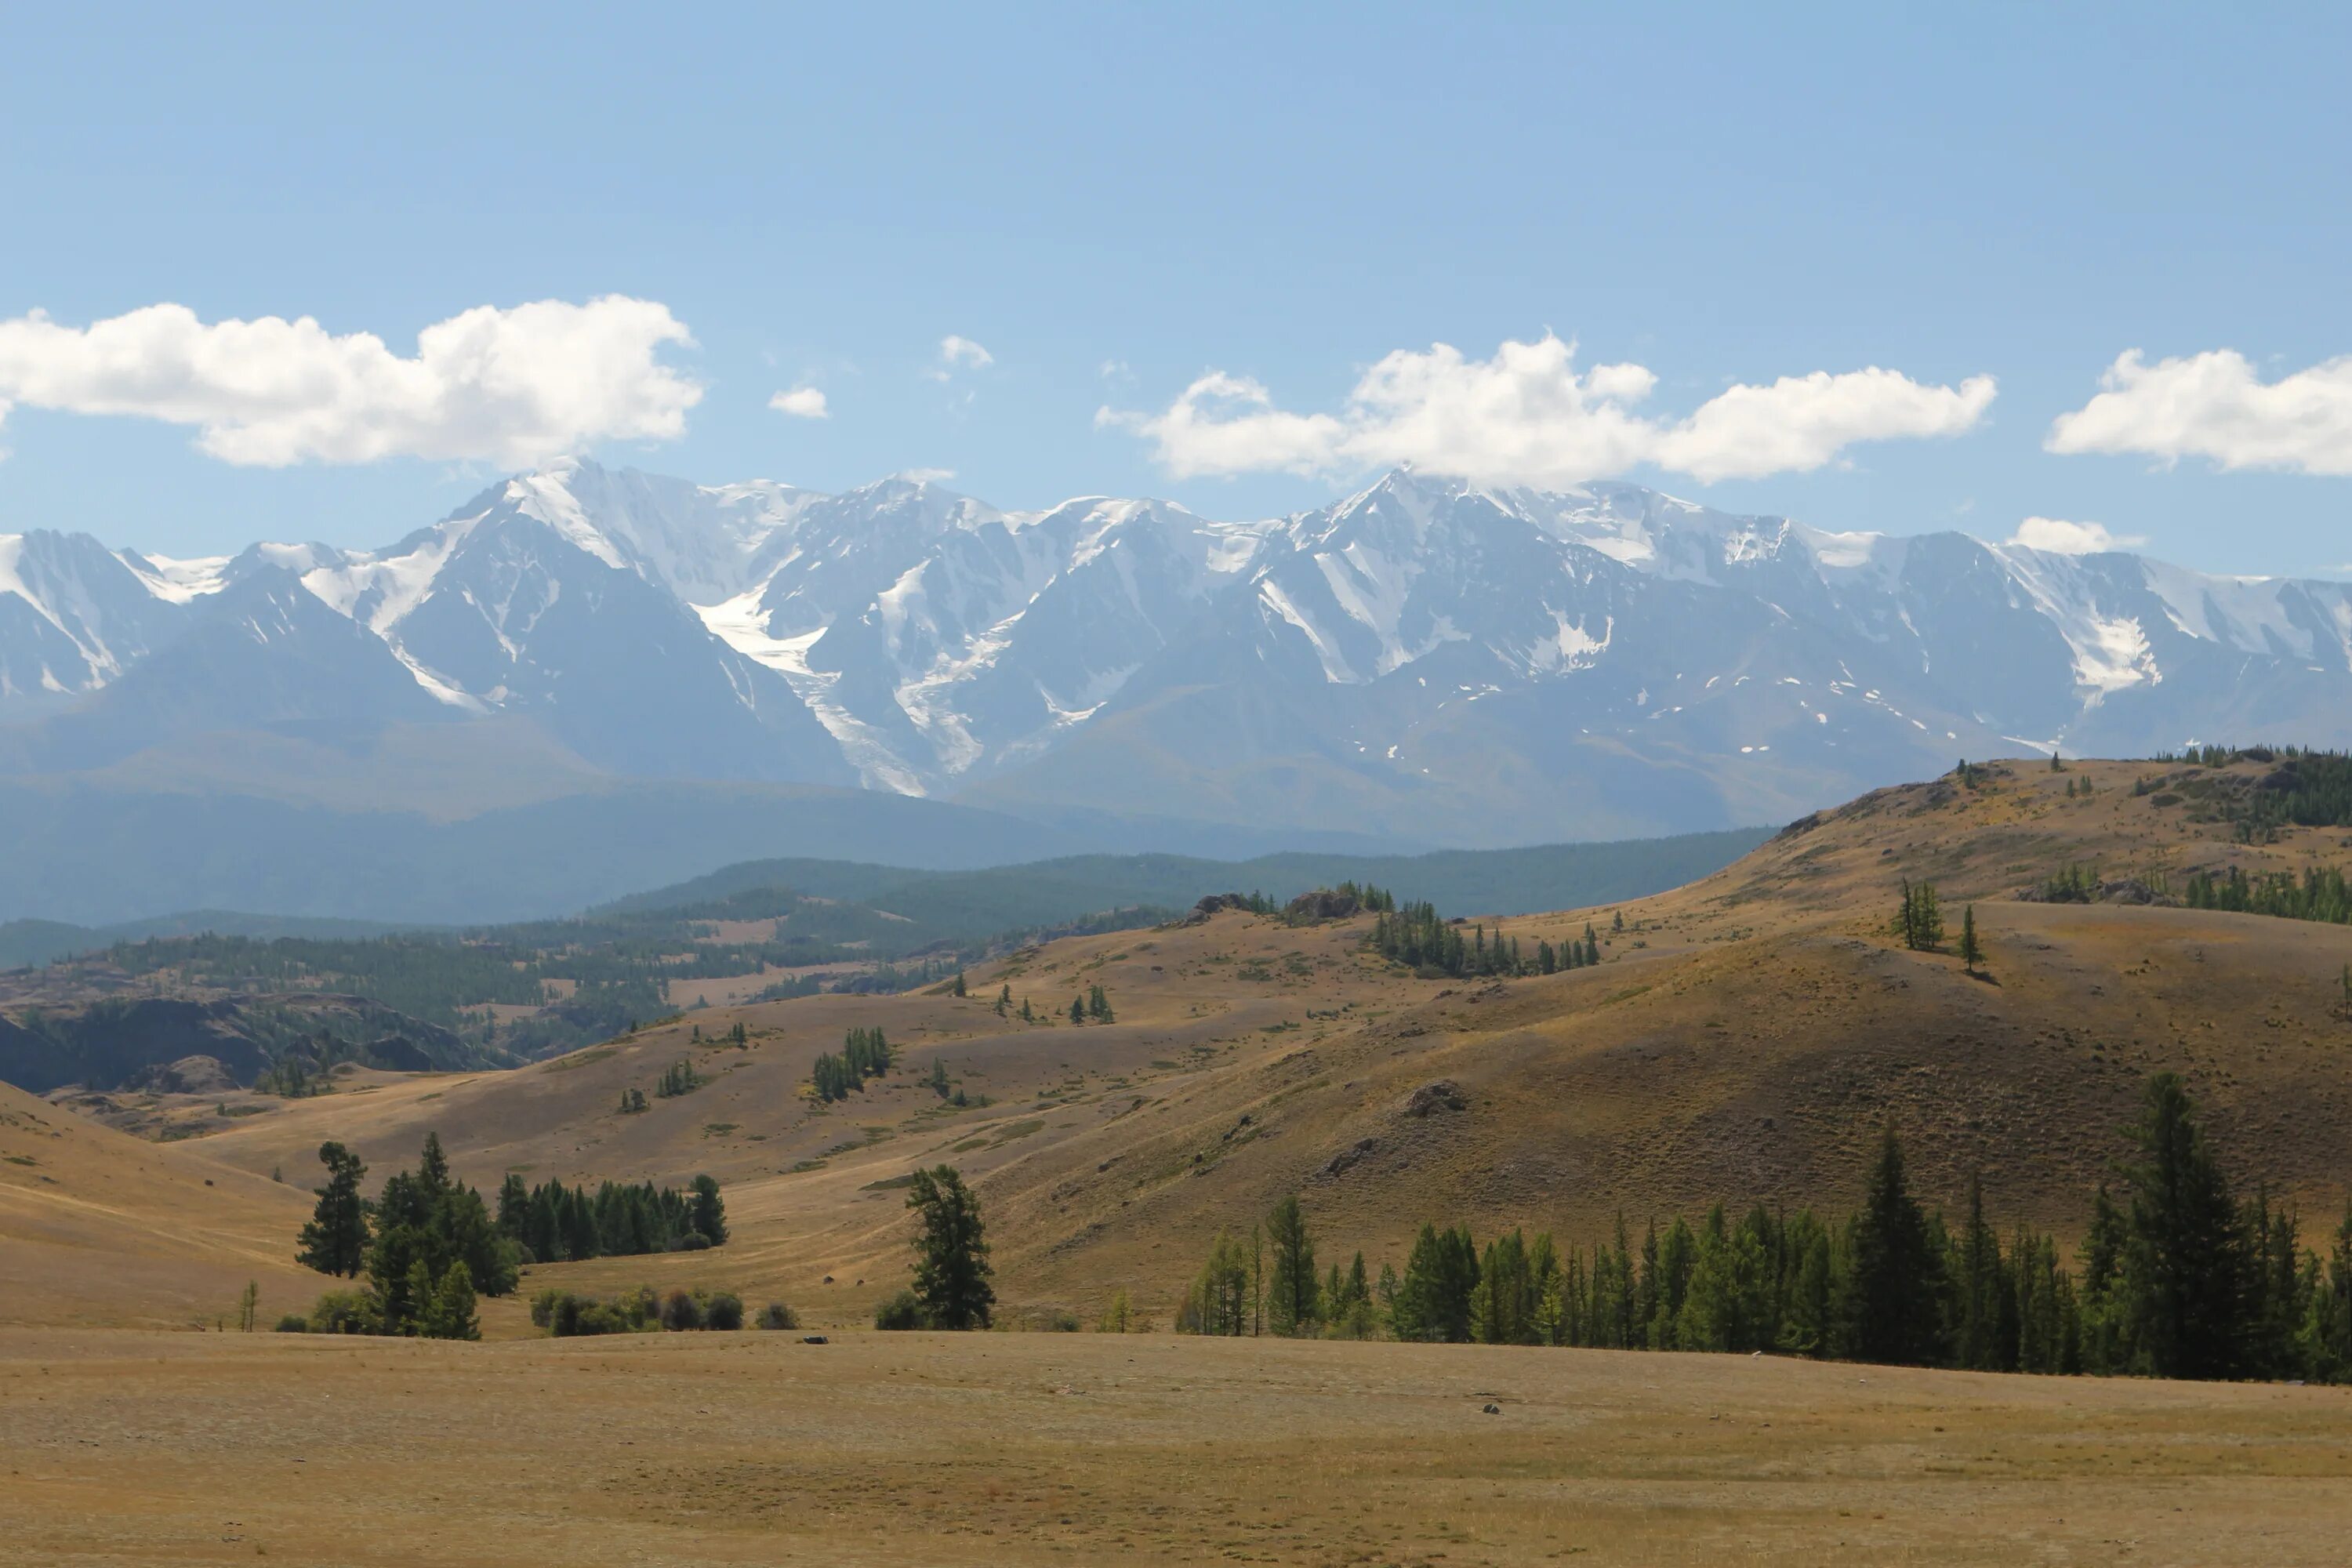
{"x":1528,"y":416}
{"x":511,"y":386}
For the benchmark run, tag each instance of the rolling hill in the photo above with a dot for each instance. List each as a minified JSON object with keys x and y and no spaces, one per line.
{"x":1744,"y":1039}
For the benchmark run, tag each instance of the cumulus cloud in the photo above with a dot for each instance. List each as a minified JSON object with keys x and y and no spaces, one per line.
{"x":2060,"y":537}
{"x":1528,"y":416}
{"x":2214,"y":405}
{"x":801,"y":403}
{"x":506,"y":385}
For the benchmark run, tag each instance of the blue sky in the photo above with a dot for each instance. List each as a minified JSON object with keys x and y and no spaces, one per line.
{"x":1113,"y":203}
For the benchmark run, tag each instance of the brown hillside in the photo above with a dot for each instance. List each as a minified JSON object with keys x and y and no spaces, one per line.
{"x":99,"y":1229}
{"x":1744,"y":1039}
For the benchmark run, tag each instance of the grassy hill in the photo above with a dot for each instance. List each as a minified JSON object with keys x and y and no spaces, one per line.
{"x":1744,"y":1039}
{"x":243,"y":988}
{"x":100,"y":1228}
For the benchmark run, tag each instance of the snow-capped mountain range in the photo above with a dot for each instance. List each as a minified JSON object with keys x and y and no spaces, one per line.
{"x":1426,"y":659}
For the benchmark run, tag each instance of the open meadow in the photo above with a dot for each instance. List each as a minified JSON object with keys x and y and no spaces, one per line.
{"x":923,"y":1449}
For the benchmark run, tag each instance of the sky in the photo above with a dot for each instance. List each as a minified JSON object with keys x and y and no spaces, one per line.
{"x":2073,"y":275}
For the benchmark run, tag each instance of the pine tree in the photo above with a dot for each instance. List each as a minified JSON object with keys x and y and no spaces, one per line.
{"x":2183,"y":1261}
{"x":448,"y":1312}
{"x":335,"y":1241}
{"x":1078,"y":1011}
{"x":710,"y":1211}
{"x":951,"y":1267}
{"x":1971,"y":950}
{"x":959,"y":983}
{"x":1890,"y":1312}
{"x":1293,"y":1297}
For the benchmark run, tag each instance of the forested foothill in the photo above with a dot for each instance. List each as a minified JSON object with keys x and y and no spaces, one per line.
{"x":2177,"y":1275}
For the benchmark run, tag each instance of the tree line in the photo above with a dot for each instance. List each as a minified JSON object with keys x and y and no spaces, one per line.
{"x":554,"y":1224}
{"x":2175,"y":1277}
{"x":1415,"y":936}
{"x":428,"y":1246}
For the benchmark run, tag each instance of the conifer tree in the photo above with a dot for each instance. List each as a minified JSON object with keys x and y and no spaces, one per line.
{"x":2183,"y":1262}
{"x":1890,"y":1312}
{"x":959,"y":983}
{"x":335,"y":1241}
{"x":708,"y":1216}
{"x":951,"y":1267}
{"x":1293,"y":1297}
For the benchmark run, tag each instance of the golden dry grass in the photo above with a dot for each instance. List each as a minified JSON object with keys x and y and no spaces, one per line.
{"x":1744,"y":1039}
{"x":1033,"y":1448}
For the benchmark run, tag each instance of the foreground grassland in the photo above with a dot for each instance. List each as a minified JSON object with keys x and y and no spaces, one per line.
{"x":920,"y":1449}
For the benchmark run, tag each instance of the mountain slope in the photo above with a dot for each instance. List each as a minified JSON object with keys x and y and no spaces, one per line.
{"x":1744,"y":1039}
{"x":1427,"y":659}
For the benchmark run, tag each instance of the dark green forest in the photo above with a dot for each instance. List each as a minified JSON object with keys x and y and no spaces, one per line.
{"x":2178,"y":1275}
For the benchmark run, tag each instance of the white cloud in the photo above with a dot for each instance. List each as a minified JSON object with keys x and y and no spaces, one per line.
{"x":2062,"y":538}
{"x":801,"y":403}
{"x":960,"y":354}
{"x":1528,"y":416}
{"x":509,"y":386}
{"x":2214,"y":405}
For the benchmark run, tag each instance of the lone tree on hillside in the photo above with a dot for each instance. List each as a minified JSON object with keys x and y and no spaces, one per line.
{"x":951,"y":1268}
{"x":335,"y":1241}
{"x":1971,"y":950}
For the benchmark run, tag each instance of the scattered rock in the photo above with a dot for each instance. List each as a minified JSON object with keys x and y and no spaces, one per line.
{"x":1431,"y":1098}
{"x":1341,"y":1162}
{"x":1492,"y":1410}
{"x":1216,"y":904}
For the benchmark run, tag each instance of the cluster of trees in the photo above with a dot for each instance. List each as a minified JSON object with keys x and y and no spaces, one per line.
{"x":427,"y":1246}
{"x":2071,"y":884}
{"x":1418,"y":938}
{"x":1095,"y":1007}
{"x":1920,"y":921}
{"x":2175,"y":1278}
{"x":646,"y":1310}
{"x":864,"y":1054}
{"x":679,"y":1077}
{"x":951,"y":1287}
{"x":554,"y":1224}
{"x":2319,"y":894}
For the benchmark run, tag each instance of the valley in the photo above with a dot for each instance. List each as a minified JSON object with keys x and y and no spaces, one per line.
{"x":1743,"y":1038}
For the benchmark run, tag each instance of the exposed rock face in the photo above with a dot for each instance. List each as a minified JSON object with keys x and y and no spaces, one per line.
{"x":1323,"y":904}
{"x":1216,"y":904}
{"x":189,"y":1075}
{"x":1434,"y":1098}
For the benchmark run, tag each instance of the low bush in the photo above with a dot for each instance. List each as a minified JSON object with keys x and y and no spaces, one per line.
{"x":776,"y":1315}
{"x":723,"y":1311}
{"x":899,"y":1311}
{"x":293,"y":1323}
{"x":343,"y":1312}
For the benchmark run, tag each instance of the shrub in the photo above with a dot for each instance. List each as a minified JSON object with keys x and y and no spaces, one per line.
{"x":692,"y":1241}
{"x":900,"y":1312}
{"x":776,"y":1315}
{"x":542,"y":1307}
{"x":343,"y":1312}
{"x":680,"y":1312}
{"x":723,"y":1311}
{"x":293,"y":1323}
